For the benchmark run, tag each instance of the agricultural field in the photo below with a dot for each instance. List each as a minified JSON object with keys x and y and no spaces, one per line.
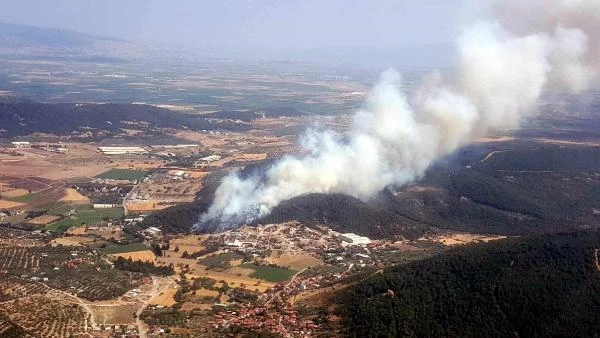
{"x":293,"y":261}
{"x":12,"y":288}
{"x":74,"y":241}
{"x":43,"y":317}
{"x":64,"y":268}
{"x":144,"y":255}
{"x":118,"y":314}
{"x":269,"y":273}
{"x":86,"y":216}
{"x":165,"y":298}
{"x":219,"y":260}
{"x":123,"y":174}
{"x":117,"y":249}
{"x":43,"y":220}
{"x":73,"y":196}
{"x":18,"y":260}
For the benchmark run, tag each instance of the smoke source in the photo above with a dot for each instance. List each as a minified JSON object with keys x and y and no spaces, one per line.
{"x":505,"y":63}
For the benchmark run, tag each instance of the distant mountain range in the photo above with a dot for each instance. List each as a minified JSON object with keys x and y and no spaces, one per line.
{"x":40,"y":42}
{"x":51,"y":43}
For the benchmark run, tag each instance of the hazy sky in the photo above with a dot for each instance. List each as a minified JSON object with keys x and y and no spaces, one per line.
{"x":269,"y":24}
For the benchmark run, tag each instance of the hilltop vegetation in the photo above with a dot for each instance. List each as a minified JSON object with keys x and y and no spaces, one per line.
{"x":345,"y":214}
{"x":517,"y":190}
{"x":535,"y":286}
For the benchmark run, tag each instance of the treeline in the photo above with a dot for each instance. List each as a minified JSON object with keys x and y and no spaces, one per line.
{"x":547,"y":285}
{"x":163,"y":316}
{"x":143,"y":267}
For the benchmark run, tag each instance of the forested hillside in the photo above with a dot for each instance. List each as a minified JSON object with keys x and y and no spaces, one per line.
{"x":346,"y":214}
{"x":547,"y":285}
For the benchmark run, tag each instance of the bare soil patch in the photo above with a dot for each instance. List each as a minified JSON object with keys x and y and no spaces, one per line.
{"x":44,"y":219}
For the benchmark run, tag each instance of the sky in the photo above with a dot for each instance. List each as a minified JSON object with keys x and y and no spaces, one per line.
{"x":254,"y":24}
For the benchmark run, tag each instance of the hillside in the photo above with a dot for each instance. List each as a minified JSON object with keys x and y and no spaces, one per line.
{"x":51,"y":43}
{"x":518,"y":189}
{"x":345,"y":214}
{"x":524,"y":189}
{"x":534,"y":286}
{"x":23,"y":117}
{"x":13,"y":35}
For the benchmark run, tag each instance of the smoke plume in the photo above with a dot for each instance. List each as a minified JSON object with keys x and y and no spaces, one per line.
{"x":505,"y":63}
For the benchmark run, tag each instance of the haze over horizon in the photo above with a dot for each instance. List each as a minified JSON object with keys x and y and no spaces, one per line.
{"x":264,"y":28}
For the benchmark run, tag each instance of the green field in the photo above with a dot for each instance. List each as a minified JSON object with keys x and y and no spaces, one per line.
{"x":269,"y":273}
{"x":114,"y":249}
{"x":25,"y":198}
{"x":123,"y":174}
{"x":220,"y":258}
{"x":65,"y":208}
{"x":86,"y":216}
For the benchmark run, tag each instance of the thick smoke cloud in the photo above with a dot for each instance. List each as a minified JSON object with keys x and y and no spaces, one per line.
{"x":505,"y":63}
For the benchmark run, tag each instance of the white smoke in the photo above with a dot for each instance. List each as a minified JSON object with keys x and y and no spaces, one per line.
{"x":504,"y":66}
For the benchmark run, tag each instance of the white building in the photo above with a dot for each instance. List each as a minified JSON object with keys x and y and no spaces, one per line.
{"x":121,"y":150}
{"x":153,"y":231}
{"x":205,"y":161}
{"x":106,"y":206}
{"x":179,"y":173}
{"x":211,"y":158}
{"x":21,"y":144}
{"x":354,"y":239}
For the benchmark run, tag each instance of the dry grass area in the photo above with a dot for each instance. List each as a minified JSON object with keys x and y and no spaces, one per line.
{"x":293,"y":261}
{"x":73,"y":196}
{"x":206,"y":293}
{"x":237,"y":270}
{"x":117,"y":314}
{"x":77,"y":230}
{"x":165,"y":298}
{"x":197,"y":174}
{"x":4,"y":204}
{"x":44,"y":219}
{"x":10,"y":192}
{"x":149,"y":205}
{"x":72,"y":241}
{"x":233,"y":280}
{"x":460,"y":239}
{"x":106,"y":233}
{"x":145,"y":255}
{"x":195,"y":306}
{"x":186,"y":247}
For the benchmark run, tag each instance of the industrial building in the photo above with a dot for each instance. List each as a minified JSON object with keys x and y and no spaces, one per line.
{"x":211,"y":158}
{"x":205,"y":161}
{"x":354,"y":239}
{"x":121,"y":150}
{"x":174,"y":146}
{"x":21,"y":144}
